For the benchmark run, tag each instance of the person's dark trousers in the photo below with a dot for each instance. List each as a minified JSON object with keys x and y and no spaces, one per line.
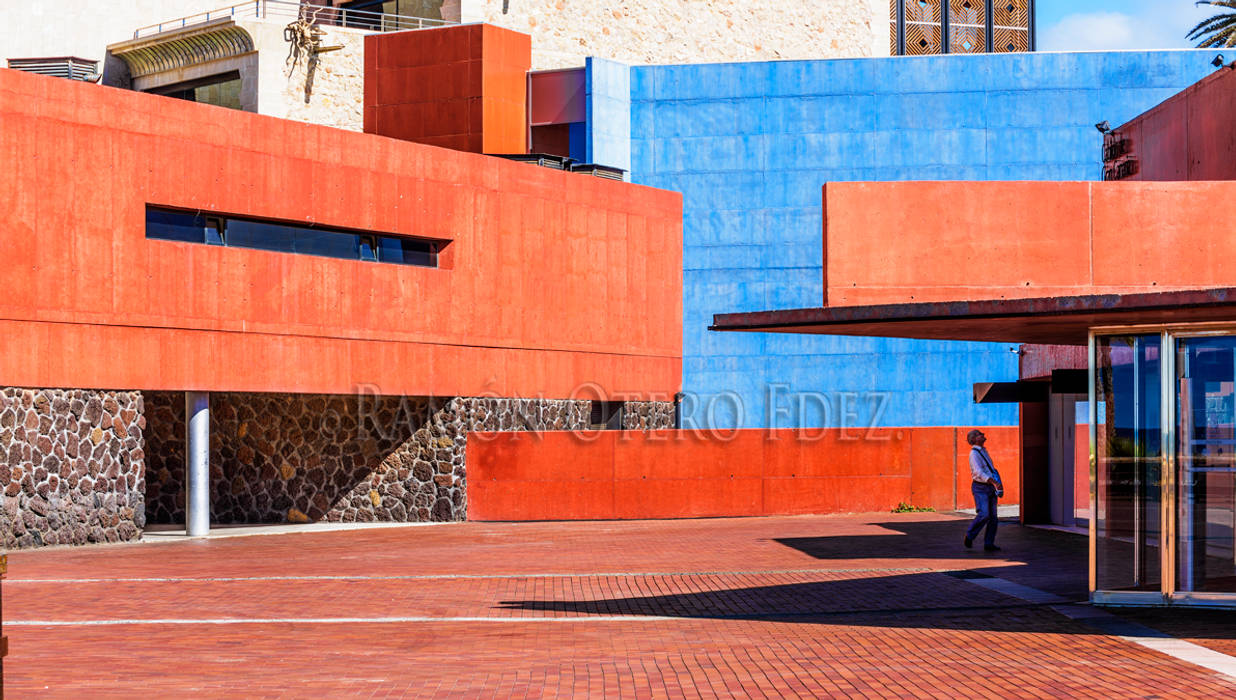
{"x":985,"y":504}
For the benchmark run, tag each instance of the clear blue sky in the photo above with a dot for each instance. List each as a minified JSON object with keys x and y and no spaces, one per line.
{"x":1082,"y":25}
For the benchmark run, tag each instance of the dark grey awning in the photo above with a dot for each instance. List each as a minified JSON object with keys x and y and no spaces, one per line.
{"x":1042,"y":320}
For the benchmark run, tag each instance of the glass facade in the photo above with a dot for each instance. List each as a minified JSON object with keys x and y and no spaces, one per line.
{"x":1129,"y":458}
{"x":237,"y":232}
{"x":1164,"y":477}
{"x":1205,"y":509}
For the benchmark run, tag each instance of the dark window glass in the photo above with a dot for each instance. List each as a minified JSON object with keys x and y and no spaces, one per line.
{"x":263,"y":236}
{"x":172,"y":225}
{"x":175,"y":226}
{"x":606,"y":415}
{"x":407,"y":251}
{"x":220,"y":90}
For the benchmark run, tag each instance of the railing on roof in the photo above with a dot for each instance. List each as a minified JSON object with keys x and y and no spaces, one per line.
{"x":289,"y":10}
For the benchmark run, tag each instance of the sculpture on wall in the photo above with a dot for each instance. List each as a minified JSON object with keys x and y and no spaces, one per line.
{"x":305,"y":37}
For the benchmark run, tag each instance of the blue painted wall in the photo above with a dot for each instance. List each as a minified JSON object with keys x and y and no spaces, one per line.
{"x":608,"y":108}
{"x":749,"y":146}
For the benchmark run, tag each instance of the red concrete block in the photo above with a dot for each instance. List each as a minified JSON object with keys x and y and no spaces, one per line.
{"x":687,"y":498}
{"x":514,"y":500}
{"x":543,"y":456}
{"x":932,"y":478}
{"x":469,"y":81}
{"x":84,"y":276}
{"x":828,"y":494}
{"x":1161,"y":235}
{"x":688,"y":455}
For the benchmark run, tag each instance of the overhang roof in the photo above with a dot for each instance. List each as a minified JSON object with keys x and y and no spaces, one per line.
{"x":1044,"y":320}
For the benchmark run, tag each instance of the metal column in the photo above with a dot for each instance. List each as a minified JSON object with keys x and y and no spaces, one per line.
{"x":197,"y":463}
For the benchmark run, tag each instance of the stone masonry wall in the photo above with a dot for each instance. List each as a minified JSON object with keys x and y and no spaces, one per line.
{"x":564,"y":32}
{"x":72,"y":466}
{"x":648,"y":415}
{"x":333,"y":95}
{"x":282,"y":457}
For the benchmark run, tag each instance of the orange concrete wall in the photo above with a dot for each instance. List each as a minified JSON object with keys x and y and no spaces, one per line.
{"x":681,"y":474}
{"x":899,"y":242}
{"x":1187,"y":137}
{"x":462,"y":87}
{"x":555,"y":279}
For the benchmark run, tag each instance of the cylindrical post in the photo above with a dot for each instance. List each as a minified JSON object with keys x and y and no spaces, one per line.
{"x":197,"y":463}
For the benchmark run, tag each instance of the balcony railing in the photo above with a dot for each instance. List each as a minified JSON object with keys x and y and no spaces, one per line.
{"x":285,"y":10}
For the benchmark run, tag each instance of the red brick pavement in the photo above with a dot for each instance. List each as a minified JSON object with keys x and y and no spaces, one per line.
{"x":776,"y":607}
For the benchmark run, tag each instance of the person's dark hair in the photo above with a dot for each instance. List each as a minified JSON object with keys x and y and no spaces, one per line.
{"x":973,"y":436}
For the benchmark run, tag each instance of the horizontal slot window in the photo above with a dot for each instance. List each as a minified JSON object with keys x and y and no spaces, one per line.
{"x":239,"y":232}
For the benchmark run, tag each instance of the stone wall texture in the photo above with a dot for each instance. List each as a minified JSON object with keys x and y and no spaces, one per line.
{"x":336,"y":88}
{"x":564,"y":32}
{"x":72,"y":466}
{"x":296,"y":458}
{"x":334,"y":95}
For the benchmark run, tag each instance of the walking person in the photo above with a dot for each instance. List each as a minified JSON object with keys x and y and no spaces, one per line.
{"x":987,"y":489}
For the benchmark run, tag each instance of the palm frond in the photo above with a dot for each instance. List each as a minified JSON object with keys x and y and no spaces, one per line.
{"x":1219,"y":30}
{"x":1211,"y":25}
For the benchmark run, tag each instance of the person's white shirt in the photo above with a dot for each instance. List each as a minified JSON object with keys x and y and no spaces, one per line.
{"x":982,"y":469}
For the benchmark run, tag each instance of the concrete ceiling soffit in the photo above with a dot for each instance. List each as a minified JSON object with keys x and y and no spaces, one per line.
{"x":172,"y":50}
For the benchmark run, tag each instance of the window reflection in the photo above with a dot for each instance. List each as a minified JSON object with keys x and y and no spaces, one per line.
{"x":235,"y":232}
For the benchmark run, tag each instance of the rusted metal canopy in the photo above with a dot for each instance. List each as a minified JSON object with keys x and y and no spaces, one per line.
{"x":1043,"y":320}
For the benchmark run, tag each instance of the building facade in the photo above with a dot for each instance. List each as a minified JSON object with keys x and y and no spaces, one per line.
{"x":751,"y":145}
{"x":348,"y":307}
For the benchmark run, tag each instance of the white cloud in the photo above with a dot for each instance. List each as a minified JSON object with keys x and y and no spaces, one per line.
{"x":1149,"y":24}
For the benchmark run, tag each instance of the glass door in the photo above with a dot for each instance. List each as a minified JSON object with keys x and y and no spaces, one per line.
{"x":1127,"y":481}
{"x":1205,"y":509}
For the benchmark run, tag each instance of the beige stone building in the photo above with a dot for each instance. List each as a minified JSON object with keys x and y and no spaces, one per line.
{"x":239,"y":56}
{"x":564,"y":32}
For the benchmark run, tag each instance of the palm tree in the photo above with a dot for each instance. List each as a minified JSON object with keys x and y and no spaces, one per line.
{"x":1219,"y":30}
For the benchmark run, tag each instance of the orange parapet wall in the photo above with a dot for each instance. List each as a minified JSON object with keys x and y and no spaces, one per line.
{"x":555,"y":279}
{"x":462,"y":87}
{"x":682,"y":474}
{"x":899,"y":242}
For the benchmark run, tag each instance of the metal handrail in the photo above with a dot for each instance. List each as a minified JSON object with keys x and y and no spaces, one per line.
{"x":287,"y":9}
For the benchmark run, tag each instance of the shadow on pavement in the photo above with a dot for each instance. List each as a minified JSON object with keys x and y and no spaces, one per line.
{"x":858,"y":594}
{"x":1052,"y":561}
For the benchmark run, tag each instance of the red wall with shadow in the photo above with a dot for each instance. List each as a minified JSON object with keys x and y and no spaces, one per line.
{"x":680,"y":474}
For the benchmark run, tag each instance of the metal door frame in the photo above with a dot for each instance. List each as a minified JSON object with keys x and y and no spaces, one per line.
{"x":1169,"y":334}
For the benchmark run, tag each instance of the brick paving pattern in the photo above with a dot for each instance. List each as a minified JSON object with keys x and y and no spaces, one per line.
{"x":858,"y":606}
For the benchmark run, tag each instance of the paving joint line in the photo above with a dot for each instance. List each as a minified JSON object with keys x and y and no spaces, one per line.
{"x":438,"y":577}
{"x":631,"y":617}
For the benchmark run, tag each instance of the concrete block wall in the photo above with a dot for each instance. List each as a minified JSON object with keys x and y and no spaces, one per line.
{"x":750,"y":146}
{"x":680,"y":474}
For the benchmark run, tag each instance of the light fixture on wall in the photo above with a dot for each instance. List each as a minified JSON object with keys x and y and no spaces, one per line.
{"x":1104,"y":127}
{"x":1218,"y":61}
